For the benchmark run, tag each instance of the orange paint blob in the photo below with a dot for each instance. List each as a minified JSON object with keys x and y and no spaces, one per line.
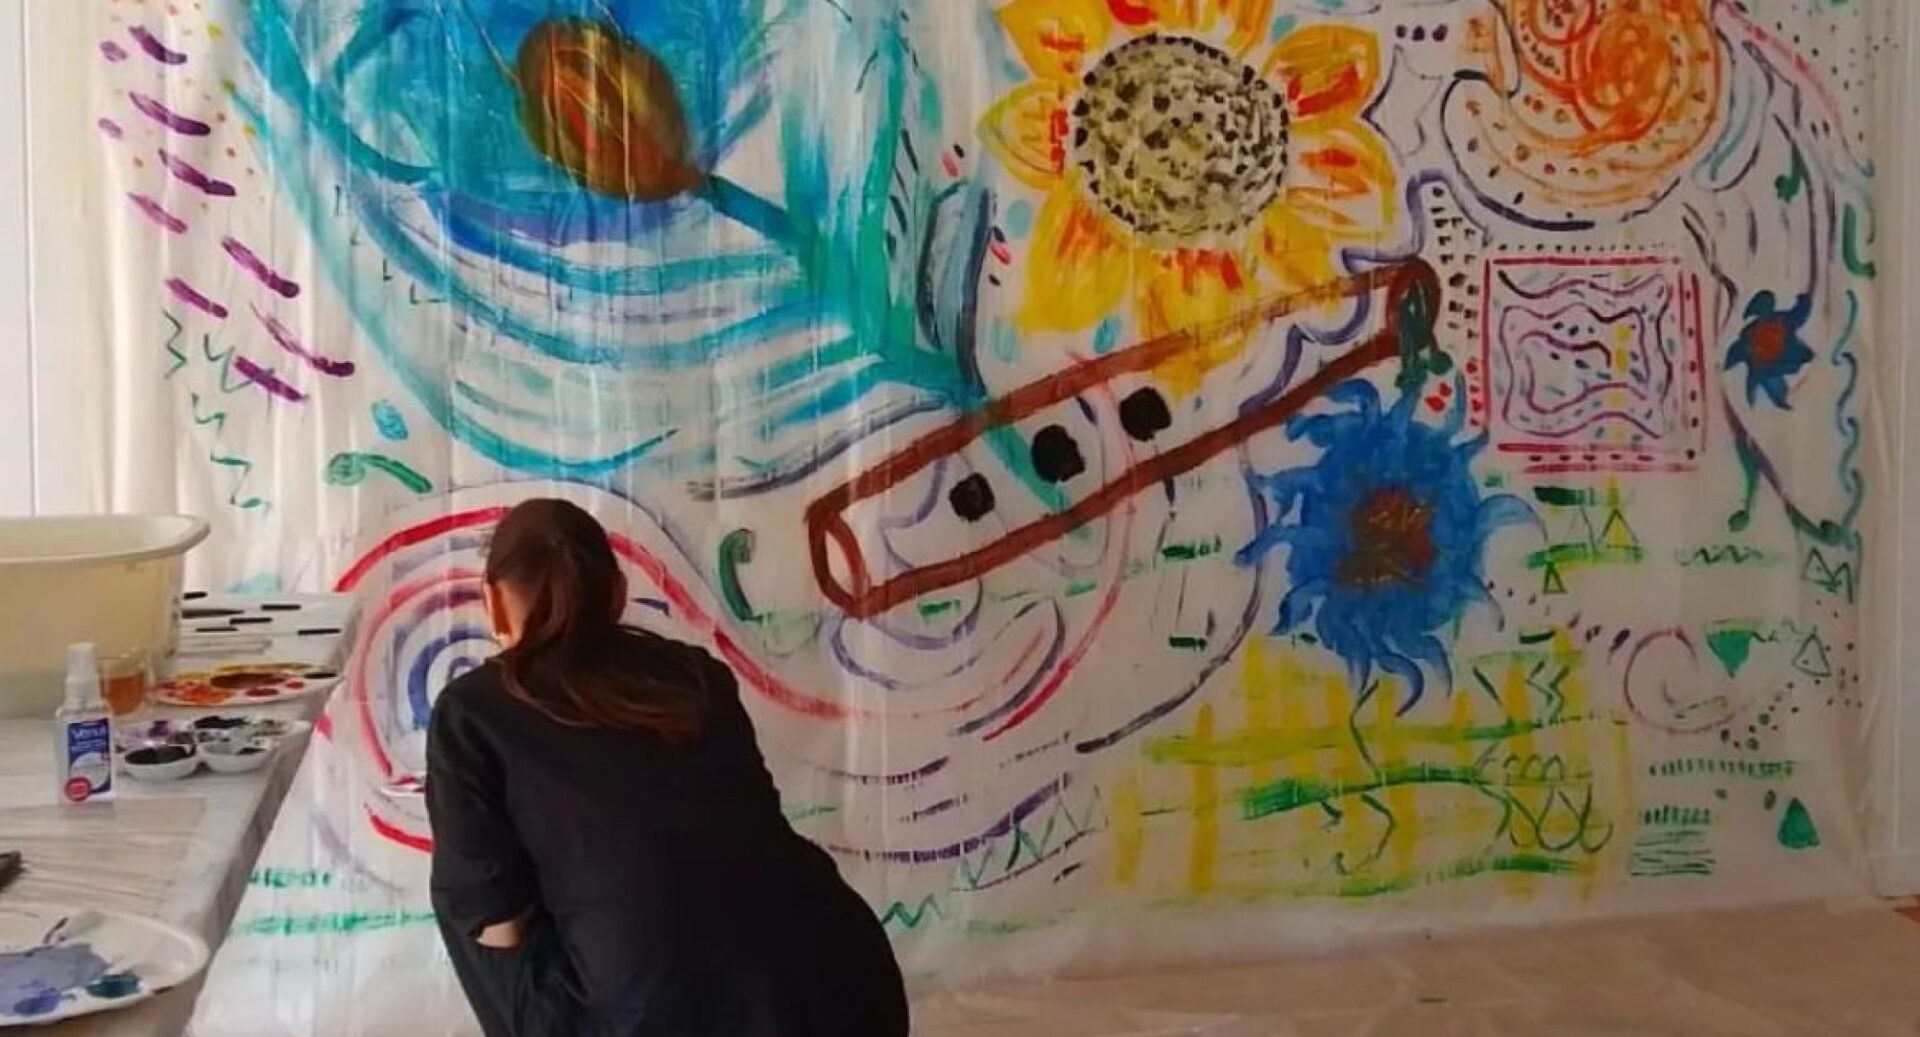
{"x":1767,"y":341}
{"x":1392,"y":537}
{"x":601,"y":106}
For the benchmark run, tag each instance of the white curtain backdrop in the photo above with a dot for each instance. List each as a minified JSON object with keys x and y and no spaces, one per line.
{"x":1178,"y":481}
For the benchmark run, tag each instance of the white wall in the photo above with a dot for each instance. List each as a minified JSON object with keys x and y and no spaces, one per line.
{"x":16,"y":326}
{"x":51,"y":292}
{"x":1892,"y":610}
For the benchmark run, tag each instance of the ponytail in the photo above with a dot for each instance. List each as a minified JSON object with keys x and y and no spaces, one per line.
{"x":558,"y":559}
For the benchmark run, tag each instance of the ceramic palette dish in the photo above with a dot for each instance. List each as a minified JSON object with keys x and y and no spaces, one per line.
{"x":61,"y":962}
{"x":210,"y":728}
{"x":244,"y":684}
{"x":172,"y":761}
{"x":236,"y":756}
{"x":156,"y":763}
{"x":168,"y":750}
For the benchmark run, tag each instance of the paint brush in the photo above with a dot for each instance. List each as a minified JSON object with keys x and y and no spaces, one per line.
{"x":71,"y":927}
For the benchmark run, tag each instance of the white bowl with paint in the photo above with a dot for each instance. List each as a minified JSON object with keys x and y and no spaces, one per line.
{"x":160,"y":763}
{"x":236,"y":755}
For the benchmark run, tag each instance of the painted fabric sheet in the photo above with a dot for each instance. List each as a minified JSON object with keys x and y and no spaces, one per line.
{"x":1177,"y":480}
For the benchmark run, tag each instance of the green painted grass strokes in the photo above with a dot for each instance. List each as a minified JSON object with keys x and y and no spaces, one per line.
{"x":1725,"y":554}
{"x":1268,"y":745}
{"x":1761,"y":770}
{"x":1470,"y":867}
{"x":1005,"y":926}
{"x":1576,"y":555}
{"x":913,"y":916}
{"x":1187,"y":552}
{"x":291,"y":878}
{"x":1678,"y":852}
{"x":1671,"y":814}
{"x":929,"y":911}
{"x":1362,"y":886}
{"x":1293,"y":793}
{"x":930,"y":609}
{"x":331,"y":923}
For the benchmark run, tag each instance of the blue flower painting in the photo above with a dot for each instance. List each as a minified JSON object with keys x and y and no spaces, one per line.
{"x":1771,"y":348}
{"x":1385,"y":534}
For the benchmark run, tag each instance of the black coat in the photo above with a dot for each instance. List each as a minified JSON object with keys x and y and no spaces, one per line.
{"x":671,"y":898}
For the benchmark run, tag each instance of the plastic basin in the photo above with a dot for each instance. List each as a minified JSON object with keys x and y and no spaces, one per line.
{"x":110,"y":579}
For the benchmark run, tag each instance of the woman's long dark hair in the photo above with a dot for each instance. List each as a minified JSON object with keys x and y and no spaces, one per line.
{"x":558,"y":560}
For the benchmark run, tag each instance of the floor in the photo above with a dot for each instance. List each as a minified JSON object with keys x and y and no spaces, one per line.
{"x":1771,"y":973}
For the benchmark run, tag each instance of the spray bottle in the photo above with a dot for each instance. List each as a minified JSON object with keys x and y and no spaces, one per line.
{"x":83,"y":733}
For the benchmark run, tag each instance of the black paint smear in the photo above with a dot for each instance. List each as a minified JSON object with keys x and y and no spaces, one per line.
{"x":208,"y":613}
{"x":280,"y":606}
{"x":1144,"y":414}
{"x":971,"y":498}
{"x":250,"y":620}
{"x":158,"y":754}
{"x":1056,"y":456}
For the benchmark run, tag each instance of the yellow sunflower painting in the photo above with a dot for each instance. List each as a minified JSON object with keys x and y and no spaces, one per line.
{"x":1186,"y":161}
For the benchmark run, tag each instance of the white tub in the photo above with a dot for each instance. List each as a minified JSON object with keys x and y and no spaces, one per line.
{"x":110,"y":579}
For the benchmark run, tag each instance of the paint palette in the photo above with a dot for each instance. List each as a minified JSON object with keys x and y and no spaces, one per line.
{"x":244,"y":684}
{"x":59,"y":962}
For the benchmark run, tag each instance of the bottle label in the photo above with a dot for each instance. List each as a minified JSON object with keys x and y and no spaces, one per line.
{"x":89,"y":759}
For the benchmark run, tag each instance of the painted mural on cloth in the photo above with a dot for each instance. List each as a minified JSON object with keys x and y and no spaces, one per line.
{"x":1158,"y":467}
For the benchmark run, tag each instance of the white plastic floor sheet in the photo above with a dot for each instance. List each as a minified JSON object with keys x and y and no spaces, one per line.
{"x":1781,"y":972}
{"x":1800,"y":971}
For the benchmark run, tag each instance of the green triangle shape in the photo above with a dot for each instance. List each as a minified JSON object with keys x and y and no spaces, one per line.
{"x":1554,"y":582}
{"x":1731,"y":646}
{"x":1796,"y":828}
{"x":1812,"y":659}
{"x":1817,"y":571}
{"x":1826,"y":576}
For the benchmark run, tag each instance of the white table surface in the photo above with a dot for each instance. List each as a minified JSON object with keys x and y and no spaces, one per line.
{"x":179,"y":851}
